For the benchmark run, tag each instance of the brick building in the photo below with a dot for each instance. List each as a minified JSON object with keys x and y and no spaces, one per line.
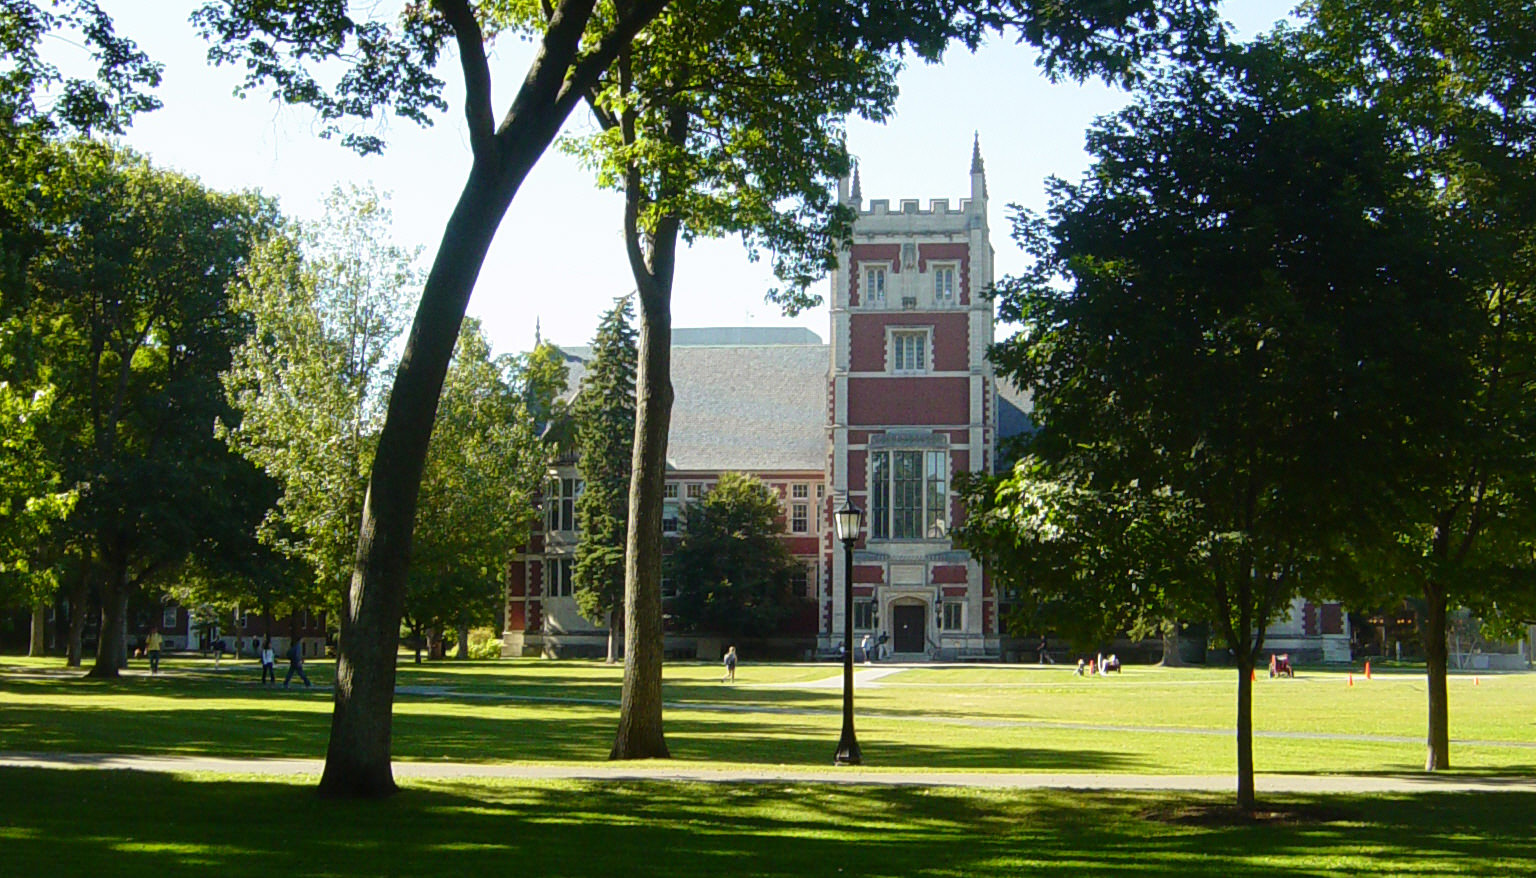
{"x":897,"y":402}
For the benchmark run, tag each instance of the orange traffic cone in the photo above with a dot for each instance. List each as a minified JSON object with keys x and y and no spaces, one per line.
{"x":1474,"y":681}
{"x":1367,"y":669}
{"x":1253,"y":675}
{"x":1351,"y":679}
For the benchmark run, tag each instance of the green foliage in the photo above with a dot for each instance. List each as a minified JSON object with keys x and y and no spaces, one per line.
{"x":484,"y":643}
{"x":730,"y":571}
{"x":122,"y":309}
{"x":484,"y":470}
{"x":604,"y":410}
{"x":327,"y":304}
{"x":105,"y":103}
{"x":33,"y":499}
{"x":1257,"y":321}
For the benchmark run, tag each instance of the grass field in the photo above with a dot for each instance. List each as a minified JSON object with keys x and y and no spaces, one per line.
{"x":991,"y":718}
{"x":999,"y":718}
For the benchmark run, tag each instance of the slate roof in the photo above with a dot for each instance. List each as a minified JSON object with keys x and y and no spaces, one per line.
{"x":748,"y":400}
{"x":749,"y":407}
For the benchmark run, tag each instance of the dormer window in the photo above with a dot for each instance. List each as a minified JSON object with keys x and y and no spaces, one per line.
{"x":874,"y":286}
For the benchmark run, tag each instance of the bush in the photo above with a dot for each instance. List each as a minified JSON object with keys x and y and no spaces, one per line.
{"x":484,"y":644}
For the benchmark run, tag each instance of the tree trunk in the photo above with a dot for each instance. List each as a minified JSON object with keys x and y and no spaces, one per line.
{"x":462,"y":633}
{"x":38,"y":646}
{"x":1171,"y":657}
{"x":112,"y":640}
{"x":1246,"y":796}
{"x":1438,"y":740}
{"x":357,"y":758}
{"x":640,"y":733}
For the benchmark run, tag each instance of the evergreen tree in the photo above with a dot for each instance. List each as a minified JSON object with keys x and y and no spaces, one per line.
{"x":604,"y":412}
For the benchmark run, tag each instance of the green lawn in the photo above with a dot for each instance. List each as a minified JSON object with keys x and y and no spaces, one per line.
{"x":998,"y":718}
{"x":123,"y":823}
{"x":992,"y":718}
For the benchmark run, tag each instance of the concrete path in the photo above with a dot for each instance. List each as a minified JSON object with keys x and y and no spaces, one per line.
{"x":692,"y":772}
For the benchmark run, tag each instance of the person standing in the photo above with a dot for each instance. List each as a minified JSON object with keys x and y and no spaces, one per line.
{"x":864,"y":645}
{"x":152,"y":646}
{"x":295,"y":664}
{"x":268,"y":662}
{"x":730,"y":666}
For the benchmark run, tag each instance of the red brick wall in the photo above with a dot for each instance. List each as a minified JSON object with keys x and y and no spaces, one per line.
{"x":951,"y":338}
{"x":949,"y":573}
{"x":913,"y":401}
{"x":946,"y":253}
{"x":872,"y":253}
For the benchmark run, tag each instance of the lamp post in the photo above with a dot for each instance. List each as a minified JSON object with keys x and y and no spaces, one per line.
{"x":847,"y":522}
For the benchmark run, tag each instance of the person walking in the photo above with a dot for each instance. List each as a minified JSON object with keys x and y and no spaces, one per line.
{"x":730,"y":666}
{"x":152,"y":646}
{"x":864,"y":645}
{"x":268,"y":662}
{"x":295,"y":664}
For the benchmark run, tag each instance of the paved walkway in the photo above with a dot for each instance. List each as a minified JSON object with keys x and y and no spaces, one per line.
{"x":700,"y":773}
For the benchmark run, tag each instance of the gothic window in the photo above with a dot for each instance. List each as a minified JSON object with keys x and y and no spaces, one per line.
{"x":909,"y":495}
{"x":909,"y":350}
{"x":874,"y":286}
{"x":944,"y":284}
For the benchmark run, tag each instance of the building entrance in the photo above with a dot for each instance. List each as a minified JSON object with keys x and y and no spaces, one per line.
{"x":910,"y":622}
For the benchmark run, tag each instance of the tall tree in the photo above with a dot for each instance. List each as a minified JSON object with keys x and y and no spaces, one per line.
{"x":139,"y":329}
{"x":729,"y":123}
{"x":604,"y":411}
{"x":485,"y":469}
{"x":1259,"y":319}
{"x":732,"y":574}
{"x":387,"y":63}
{"x":34,"y":500}
{"x":327,"y":302}
{"x":1456,"y":75}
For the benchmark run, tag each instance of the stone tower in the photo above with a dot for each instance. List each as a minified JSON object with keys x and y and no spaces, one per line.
{"x":911,"y":403}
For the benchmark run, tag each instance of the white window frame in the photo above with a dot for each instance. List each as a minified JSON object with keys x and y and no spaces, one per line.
{"x":903,"y":343}
{"x":946,"y":282}
{"x":916,"y":507}
{"x":800,"y":491}
{"x":695,"y":491}
{"x":557,"y":576}
{"x":669,"y":491}
{"x":875,"y":280}
{"x":800,"y":518}
{"x":957,"y":608}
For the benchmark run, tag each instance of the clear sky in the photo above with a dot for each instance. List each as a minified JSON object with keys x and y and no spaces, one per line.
{"x":559,"y":255}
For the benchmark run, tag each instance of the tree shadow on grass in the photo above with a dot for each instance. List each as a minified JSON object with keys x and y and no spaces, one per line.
{"x":101,"y":822}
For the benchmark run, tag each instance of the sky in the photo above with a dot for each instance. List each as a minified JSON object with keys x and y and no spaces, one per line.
{"x":558,"y":259}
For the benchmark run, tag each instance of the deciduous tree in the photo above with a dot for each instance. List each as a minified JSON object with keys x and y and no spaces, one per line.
{"x":1456,"y":75}
{"x":731,"y":572}
{"x":1259,"y":319}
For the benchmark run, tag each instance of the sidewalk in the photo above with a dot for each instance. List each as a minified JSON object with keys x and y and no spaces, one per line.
{"x":703,"y":773}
